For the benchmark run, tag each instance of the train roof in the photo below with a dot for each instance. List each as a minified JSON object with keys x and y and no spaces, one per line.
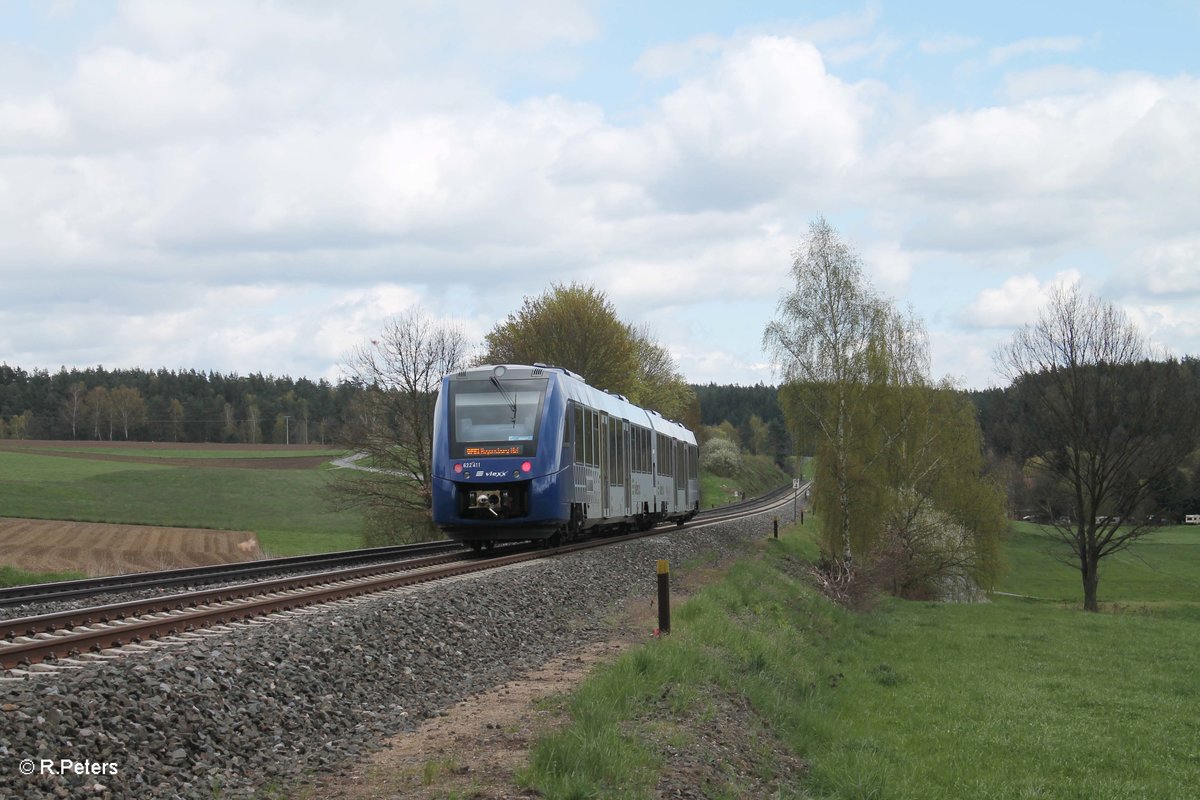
{"x":580,"y":391}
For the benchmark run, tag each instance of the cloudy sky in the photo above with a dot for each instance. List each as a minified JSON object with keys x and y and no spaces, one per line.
{"x":257,"y":186}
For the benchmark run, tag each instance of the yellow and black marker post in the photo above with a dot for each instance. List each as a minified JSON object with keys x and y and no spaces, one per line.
{"x":664,"y":596}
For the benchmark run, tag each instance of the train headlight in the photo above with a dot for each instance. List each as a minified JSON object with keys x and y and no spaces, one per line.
{"x":458,"y":469}
{"x":526,"y":466}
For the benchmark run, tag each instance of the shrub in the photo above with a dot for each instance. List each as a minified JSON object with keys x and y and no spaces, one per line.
{"x":721,"y":456}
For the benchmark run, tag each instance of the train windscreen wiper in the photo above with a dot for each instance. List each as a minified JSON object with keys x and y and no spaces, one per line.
{"x":512,"y":402}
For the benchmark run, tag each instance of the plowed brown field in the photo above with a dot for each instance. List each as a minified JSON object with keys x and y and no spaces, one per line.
{"x":103,"y":549}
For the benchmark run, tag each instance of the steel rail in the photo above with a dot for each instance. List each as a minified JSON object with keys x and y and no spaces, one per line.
{"x":23,"y":651}
{"x":34,"y":625}
{"x":85,"y":587}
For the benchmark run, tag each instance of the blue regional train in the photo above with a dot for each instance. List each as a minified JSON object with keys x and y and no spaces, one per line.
{"x":534,"y":453}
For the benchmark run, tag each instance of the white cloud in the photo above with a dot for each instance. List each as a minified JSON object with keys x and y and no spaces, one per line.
{"x":966,"y":357}
{"x":948,"y":44}
{"x":1054,"y":80}
{"x":32,"y":123}
{"x":1066,"y":170}
{"x":1037,"y":44}
{"x":768,"y":114}
{"x":674,"y":59}
{"x":1165,"y":268}
{"x":1016,"y":302}
{"x":333,"y":165}
{"x":118,"y":90}
{"x":890,"y":266}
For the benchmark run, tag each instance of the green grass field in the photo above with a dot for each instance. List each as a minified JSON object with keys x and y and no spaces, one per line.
{"x":1163,"y":566}
{"x":1016,"y":698}
{"x":758,"y":475}
{"x":287,"y":508}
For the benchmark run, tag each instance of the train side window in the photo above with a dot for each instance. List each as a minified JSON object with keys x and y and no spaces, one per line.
{"x":595,"y":451}
{"x":665,"y":456}
{"x":614,"y":452}
{"x":579,"y":438}
{"x":585,"y":436}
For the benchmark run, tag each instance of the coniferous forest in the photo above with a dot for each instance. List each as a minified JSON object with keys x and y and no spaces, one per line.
{"x":172,"y":406}
{"x":193,"y":406}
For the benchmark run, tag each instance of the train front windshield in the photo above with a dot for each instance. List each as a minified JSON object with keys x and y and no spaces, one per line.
{"x":495,"y":417}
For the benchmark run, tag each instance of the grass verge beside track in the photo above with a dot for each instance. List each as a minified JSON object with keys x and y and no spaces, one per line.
{"x":11,"y":576}
{"x":1011,"y":699}
{"x":757,"y":476}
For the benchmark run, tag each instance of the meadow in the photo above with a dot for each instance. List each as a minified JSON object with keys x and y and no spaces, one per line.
{"x":1016,"y":698}
{"x":278,"y":494}
{"x":758,"y":475}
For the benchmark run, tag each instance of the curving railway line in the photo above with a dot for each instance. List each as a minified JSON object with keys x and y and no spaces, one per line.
{"x":47,"y":641}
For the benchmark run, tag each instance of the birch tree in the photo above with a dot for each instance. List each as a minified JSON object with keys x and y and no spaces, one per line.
{"x":898,"y":480}
{"x":127,"y":407}
{"x":73,"y":406}
{"x":821,"y":340}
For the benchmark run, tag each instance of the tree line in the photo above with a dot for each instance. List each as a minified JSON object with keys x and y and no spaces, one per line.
{"x":173,"y":406}
{"x":1014,"y":454}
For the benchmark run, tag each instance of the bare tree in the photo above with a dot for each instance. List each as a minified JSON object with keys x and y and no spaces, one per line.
{"x":1102,"y":419}
{"x":392,"y":423}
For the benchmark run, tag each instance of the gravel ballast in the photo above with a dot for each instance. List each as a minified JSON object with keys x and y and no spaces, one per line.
{"x":256,"y":708}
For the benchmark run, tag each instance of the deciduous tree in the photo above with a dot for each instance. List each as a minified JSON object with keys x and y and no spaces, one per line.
{"x":399,"y":374}
{"x":899,"y":479}
{"x":128,"y":408}
{"x":72,"y":405}
{"x":98,"y":410}
{"x":822,"y":341}
{"x":175,"y":412}
{"x":1106,"y":421}
{"x":576,"y":327}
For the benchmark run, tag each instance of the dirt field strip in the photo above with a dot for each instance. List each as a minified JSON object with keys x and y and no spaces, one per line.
{"x":96,"y":548}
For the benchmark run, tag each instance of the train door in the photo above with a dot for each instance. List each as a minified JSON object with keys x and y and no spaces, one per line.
{"x":627,"y":466}
{"x":605,"y":465}
{"x":682,"y":476}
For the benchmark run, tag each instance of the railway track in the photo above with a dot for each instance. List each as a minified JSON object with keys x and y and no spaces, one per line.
{"x":55,"y":638}
{"x":87,"y":587}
